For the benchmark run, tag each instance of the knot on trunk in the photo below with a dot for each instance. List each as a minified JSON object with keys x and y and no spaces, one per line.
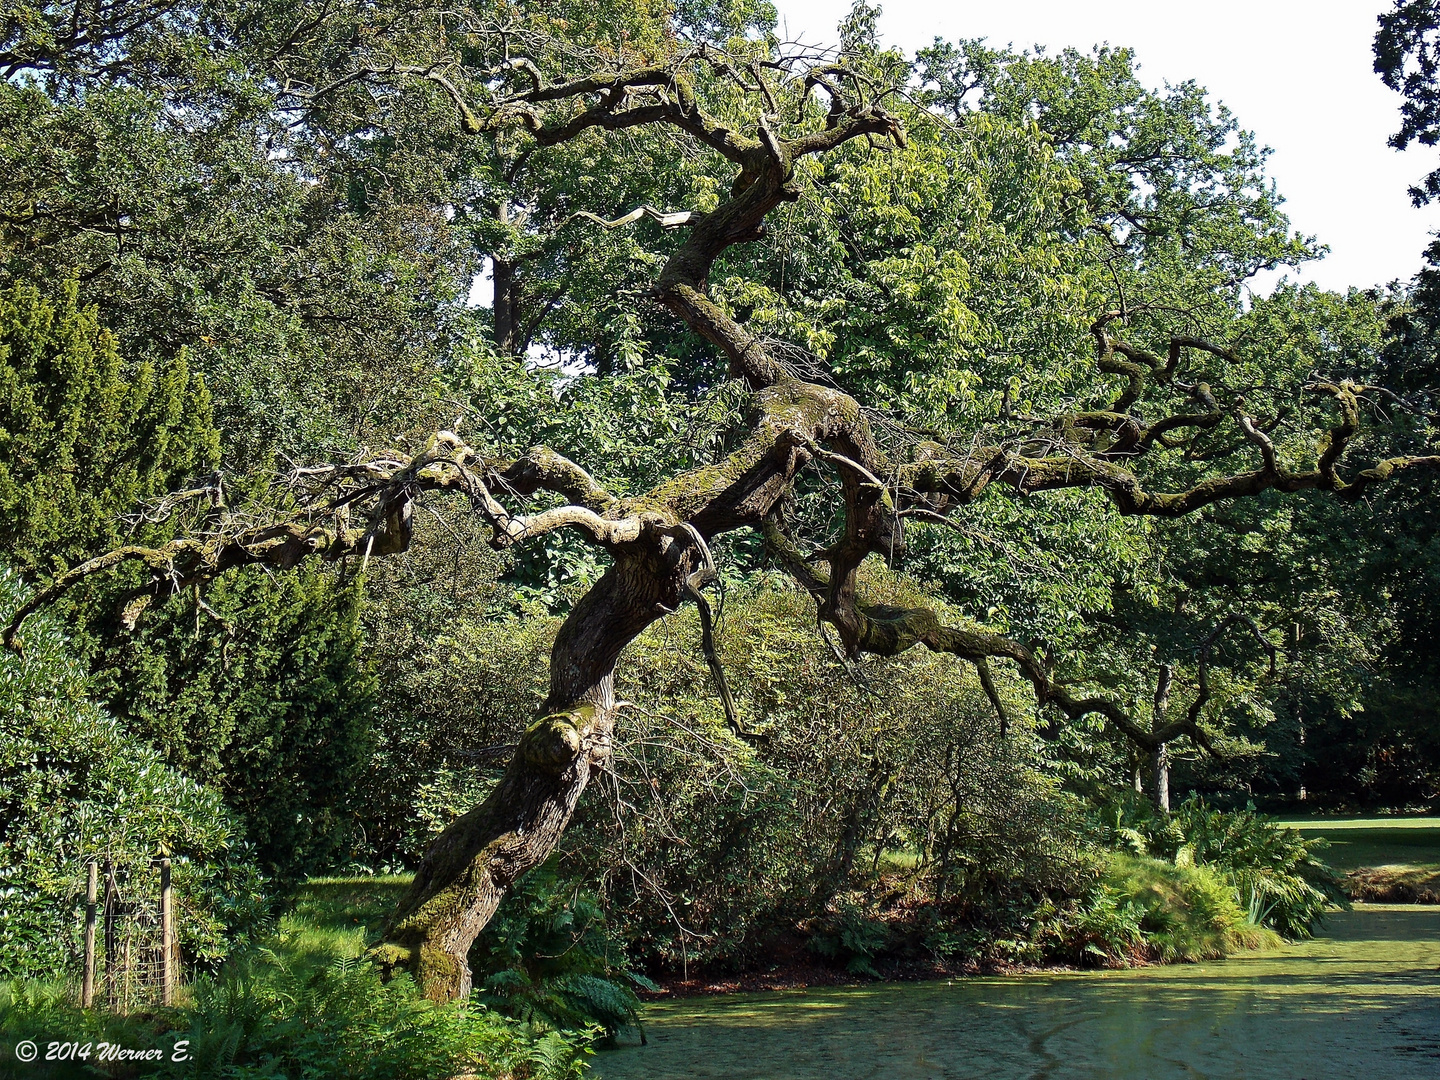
{"x":392,"y":958}
{"x":552,"y":743}
{"x":440,"y":976}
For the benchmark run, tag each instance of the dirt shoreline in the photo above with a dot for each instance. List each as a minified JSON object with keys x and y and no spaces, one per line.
{"x":810,"y":976}
{"x":1368,"y":885}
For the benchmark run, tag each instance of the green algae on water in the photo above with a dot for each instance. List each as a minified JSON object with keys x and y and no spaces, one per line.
{"x":1361,"y":1001}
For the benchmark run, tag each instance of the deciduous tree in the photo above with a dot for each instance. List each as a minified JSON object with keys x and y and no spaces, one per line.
{"x":1160,"y":433}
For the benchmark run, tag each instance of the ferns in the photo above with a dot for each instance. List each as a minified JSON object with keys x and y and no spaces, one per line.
{"x":339,"y":1020}
{"x":553,"y":964}
{"x":1274,"y":869}
{"x":849,"y":935}
{"x":290,"y":1012}
{"x":1276,"y":876}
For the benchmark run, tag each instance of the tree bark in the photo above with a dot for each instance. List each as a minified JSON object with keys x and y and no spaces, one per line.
{"x":1160,"y":769}
{"x":471,"y":865}
{"x":506,"y":304}
{"x":1160,"y":755}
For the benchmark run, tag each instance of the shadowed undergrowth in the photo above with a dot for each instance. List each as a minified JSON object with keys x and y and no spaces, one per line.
{"x":303,"y":1004}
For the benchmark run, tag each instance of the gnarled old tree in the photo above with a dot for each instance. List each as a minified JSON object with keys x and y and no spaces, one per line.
{"x":659,"y":541}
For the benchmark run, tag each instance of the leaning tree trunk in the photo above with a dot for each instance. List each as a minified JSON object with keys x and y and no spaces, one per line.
{"x":469,"y":867}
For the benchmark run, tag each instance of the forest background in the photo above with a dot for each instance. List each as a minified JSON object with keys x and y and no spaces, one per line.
{"x":225,"y":255}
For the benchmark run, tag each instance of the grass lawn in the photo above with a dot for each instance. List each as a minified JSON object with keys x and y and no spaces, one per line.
{"x":1380,"y":841}
{"x":1383,"y":858}
{"x":339,"y":916}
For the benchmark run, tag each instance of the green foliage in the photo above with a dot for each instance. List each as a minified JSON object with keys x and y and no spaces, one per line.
{"x":209,"y":233}
{"x":1102,"y":927}
{"x":1407,"y":58}
{"x":265,"y":698}
{"x":727,"y":847}
{"x":1273,"y":868}
{"x":631,"y":427}
{"x":1273,"y":871}
{"x":303,"y":1001}
{"x":851,"y":937}
{"x":549,"y":959}
{"x":450,"y":690}
{"x":264,"y":1014}
{"x":1187,"y":912}
{"x":84,"y":438}
{"x":1171,"y":176}
{"x":1389,"y":754}
{"x":161,"y":189}
{"x":75,"y":785}
{"x":267,"y":1015}
{"x":739,"y":847}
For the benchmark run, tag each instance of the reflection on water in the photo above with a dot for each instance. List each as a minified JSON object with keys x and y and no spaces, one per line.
{"x":1362,"y":1001}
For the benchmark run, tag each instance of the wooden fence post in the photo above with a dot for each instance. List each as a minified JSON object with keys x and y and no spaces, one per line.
{"x":87,"y":987}
{"x":111,"y":915}
{"x":167,"y":938}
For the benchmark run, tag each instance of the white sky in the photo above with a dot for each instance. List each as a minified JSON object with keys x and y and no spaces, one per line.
{"x":1296,"y":72}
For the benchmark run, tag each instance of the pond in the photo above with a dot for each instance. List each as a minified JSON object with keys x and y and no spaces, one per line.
{"x":1362,"y":1000}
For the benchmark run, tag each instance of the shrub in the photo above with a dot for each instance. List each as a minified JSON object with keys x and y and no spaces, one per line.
{"x":1273,"y":868}
{"x":1100,"y":928}
{"x":727,"y":847}
{"x":74,"y":785}
{"x":83,"y":438}
{"x":266,"y":701}
{"x":1187,"y":912}
{"x":304,"y":1002}
{"x":850,"y":937}
{"x":265,"y":1015}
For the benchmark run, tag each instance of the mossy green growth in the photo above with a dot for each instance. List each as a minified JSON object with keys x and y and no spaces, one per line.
{"x":1189,"y":912}
{"x":684,"y":495}
{"x":553,"y":742}
{"x":1342,"y":999}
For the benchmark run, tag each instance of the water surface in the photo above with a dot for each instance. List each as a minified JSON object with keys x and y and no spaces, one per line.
{"x":1362,"y":1001}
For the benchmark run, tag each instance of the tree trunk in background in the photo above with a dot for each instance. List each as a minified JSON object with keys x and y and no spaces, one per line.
{"x":506,"y":304}
{"x":1160,"y":756}
{"x":859,"y":823}
{"x":1160,"y":767}
{"x":1299,"y":719}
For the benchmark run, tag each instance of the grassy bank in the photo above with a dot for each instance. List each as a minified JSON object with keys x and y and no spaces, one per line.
{"x":1384,"y":859}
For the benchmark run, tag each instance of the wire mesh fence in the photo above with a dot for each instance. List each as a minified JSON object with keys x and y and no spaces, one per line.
{"x":131,"y":951}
